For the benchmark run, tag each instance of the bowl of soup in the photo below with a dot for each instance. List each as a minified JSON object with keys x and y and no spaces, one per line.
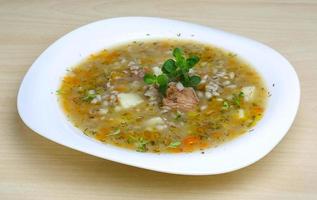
{"x":161,"y":94}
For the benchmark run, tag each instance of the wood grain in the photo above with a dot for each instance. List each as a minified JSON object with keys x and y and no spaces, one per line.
{"x":32,"y":167}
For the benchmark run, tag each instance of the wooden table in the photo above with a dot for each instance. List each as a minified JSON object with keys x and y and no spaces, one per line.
{"x":32,"y":167}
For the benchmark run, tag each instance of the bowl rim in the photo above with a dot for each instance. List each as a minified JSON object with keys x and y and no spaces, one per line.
{"x":21,"y":95}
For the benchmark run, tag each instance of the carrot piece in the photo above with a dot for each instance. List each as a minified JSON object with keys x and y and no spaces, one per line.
{"x":258,"y":110}
{"x":191,"y":140}
{"x":102,"y":134}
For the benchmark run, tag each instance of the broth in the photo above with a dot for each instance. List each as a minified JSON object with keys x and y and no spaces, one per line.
{"x":106,"y":97}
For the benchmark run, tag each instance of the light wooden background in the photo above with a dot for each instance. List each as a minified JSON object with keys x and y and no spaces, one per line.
{"x":32,"y":167}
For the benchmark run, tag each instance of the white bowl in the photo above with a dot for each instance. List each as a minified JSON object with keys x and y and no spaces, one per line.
{"x":39,"y":109}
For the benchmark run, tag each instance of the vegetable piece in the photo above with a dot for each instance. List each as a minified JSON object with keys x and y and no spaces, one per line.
{"x":178,"y":116}
{"x":116,"y":132}
{"x":248,"y":92}
{"x":225,"y":105}
{"x":141,"y":145}
{"x":257,"y":110}
{"x":128,"y":100}
{"x":89,"y":97}
{"x":236,"y":99}
{"x":154,"y":121}
{"x":174,"y":144}
{"x":190,"y":140}
{"x":241,"y":114}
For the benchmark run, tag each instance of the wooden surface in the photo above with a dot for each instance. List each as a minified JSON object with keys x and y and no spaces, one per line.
{"x":32,"y":167}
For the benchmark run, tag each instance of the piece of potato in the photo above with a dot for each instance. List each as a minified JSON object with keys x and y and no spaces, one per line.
{"x":129,"y":100}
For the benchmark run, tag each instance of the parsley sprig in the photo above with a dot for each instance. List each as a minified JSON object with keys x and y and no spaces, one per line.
{"x":174,"y":70}
{"x":174,"y":144}
{"x":236,"y":101}
{"x":237,"y":98}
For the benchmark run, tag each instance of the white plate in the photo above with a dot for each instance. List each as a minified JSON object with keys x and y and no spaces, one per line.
{"x":39,"y":109}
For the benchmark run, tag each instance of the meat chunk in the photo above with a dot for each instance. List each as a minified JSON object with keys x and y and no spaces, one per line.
{"x":183,"y":99}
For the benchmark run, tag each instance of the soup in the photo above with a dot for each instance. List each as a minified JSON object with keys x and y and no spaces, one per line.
{"x":163,"y":96}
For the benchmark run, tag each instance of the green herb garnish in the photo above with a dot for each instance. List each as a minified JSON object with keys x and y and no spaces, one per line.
{"x":141,"y":145}
{"x":237,"y":98}
{"x":236,"y":101}
{"x":225,"y":105}
{"x":175,"y":70}
{"x":149,"y":78}
{"x":116,"y":132}
{"x":174,"y":144}
{"x":178,"y":116}
{"x":89,"y":97}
